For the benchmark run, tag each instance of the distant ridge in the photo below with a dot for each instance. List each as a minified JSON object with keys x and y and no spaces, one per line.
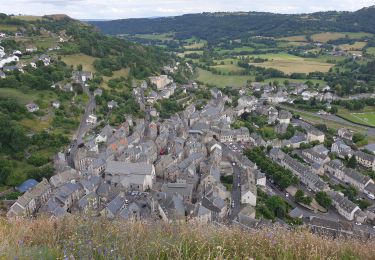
{"x":214,"y":26}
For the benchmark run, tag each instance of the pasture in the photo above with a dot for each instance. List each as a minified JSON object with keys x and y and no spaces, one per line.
{"x":8,"y":28}
{"x":156,"y":36}
{"x":357,"y":46}
{"x":28,"y":17}
{"x":76,"y":59}
{"x":292,"y":64}
{"x":370,"y":51}
{"x":194,"y":46}
{"x":297,"y":38}
{"x":30,"y":96}
{"x":329,"y":36}
{"x":367,"y":118}
{"x":208,"y":77}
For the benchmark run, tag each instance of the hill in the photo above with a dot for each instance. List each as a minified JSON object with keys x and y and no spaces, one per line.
{"x":81,"y":238}
{"x":52,"y":48}
{"x":214,"y":26}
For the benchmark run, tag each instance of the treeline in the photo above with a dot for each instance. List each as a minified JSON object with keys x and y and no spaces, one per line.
{"x":281,"y":176}
{"x":216,"y":26}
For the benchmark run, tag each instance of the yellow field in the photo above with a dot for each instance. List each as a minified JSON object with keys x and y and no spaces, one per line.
{"x":8,"y":28}
{"x":297,"y":38}
{"x":77,"y":59}
{"x":194,"y":46}
{"x":354,"y":47}
{"x":328,"y":36}
{"x":293,"y":64}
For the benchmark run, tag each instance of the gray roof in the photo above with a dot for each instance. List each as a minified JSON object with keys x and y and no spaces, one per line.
{"x":365,"y":156}
{"x":344,"y":202}
{"x":358,"y":177}
{"x":115,"y":167}
{"x":370,"y":188}
{"x":183,"y":189}
{"x":116,"y":204}
{"x":370,"y":147}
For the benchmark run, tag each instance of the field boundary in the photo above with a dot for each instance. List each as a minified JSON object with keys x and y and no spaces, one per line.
{"x":351,"y":121}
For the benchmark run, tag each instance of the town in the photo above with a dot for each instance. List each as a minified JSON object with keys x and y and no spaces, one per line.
{"x":202,"y":164}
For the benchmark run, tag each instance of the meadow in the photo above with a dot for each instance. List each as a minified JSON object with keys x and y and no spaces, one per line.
{"x":83,"y":59}
{"x":85,"y":238}
{"x":208,"y":77}
{"x":292,"y":64}
{"x":365,"y":118}
{"x":328,"y":36}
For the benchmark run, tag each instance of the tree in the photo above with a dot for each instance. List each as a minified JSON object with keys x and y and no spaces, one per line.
{"x":277,"y":205}
{"x":301,"y":198}
{"x":352,"y":163}
{"x":351,"y":192}
{"x":299,"y":195}
{"x":323,"y":199}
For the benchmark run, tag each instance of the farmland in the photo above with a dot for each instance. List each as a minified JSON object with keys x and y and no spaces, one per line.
{"x":329,"y":36}
{"x":8,"y":28}
{"x":76,"y":59}
{"x":208,"y":77}
{"x":293,"y":64}
{"x":367,"y":118}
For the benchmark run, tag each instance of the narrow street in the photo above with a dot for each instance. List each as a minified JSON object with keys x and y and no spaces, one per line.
{"x":83,"y":127}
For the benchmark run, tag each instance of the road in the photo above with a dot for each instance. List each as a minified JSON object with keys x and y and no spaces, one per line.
{"x":330,"y":215}
{"x":333,"y":119}
{"x":83,"y":127}
{"x":236,"y":189}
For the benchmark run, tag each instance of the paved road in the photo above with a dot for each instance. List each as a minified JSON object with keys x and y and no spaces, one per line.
{"x":83,"y":127}
{"x":331,"y":214}
{"x":334,"y":119}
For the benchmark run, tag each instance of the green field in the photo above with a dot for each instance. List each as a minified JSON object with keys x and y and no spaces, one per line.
{"x":83,"y":59}
{"x":235,"y":50}
{"x":208,"y":77}
{"x":24,"y":98}
{"x":27,"y":17}
{"x":8,"y":28}
{"x":370,"y":50}
{"x":189,"y":52}
{"x":288,"y":63}
{"x":156,"y":36}
{"x":39,"y":42}
{"x":367,"y":118}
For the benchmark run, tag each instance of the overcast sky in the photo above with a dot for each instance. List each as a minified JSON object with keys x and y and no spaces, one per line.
{"x":115,"y":9}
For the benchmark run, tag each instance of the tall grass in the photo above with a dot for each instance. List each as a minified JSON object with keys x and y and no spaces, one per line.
{"x":83,"y":238}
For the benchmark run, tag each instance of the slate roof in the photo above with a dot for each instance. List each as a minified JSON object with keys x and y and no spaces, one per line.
{"x":27,"y":185}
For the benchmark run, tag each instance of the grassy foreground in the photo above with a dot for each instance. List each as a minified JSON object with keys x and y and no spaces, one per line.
{"x":80,"y":238}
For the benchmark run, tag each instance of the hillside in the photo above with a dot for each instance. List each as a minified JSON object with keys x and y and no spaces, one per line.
{"x":49,"y":50}
{"x":80,"y":238}
{"x":214,"y":26}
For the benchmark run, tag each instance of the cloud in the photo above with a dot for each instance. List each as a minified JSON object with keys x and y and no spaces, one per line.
{"x":114,"y":9}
